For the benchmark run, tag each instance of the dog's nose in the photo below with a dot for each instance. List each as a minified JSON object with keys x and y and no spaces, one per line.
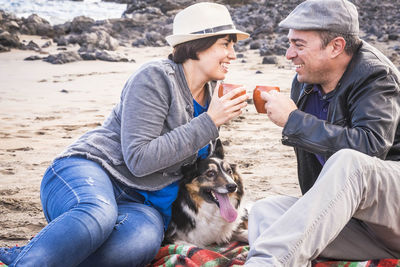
{"x":231,"y":187}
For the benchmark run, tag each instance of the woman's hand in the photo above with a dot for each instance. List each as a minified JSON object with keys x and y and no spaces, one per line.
{"x":223,"y":109}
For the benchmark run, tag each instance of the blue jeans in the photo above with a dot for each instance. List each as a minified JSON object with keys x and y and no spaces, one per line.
{"x":92,"y":220}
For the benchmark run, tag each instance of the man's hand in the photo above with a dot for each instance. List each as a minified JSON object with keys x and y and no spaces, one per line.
{"x":278,"y":107}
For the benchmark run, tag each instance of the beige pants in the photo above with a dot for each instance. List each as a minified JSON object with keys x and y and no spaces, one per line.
{"x":352,"y":212}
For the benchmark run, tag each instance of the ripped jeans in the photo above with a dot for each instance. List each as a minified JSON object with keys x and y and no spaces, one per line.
{"x":92,"y":220}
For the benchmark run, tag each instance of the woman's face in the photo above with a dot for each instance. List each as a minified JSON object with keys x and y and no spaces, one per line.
{"x":214,"y":62}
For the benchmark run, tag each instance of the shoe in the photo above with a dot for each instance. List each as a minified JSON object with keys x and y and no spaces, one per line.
{"x":8,"y":255}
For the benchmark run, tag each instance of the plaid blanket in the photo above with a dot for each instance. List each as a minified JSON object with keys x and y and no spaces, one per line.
{"x":231,"y":255}
{"x":190,"y":256}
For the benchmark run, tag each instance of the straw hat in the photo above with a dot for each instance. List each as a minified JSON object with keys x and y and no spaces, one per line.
{"x":202,"y":20}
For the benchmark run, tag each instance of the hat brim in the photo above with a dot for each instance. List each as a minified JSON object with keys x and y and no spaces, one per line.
{"x":176,"y":39}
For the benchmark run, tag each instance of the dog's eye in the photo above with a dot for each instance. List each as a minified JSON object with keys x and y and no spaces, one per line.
{"x":229,"y":171}
{"x":210,"y":173}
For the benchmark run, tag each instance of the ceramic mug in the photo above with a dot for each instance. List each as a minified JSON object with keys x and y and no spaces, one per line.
{"x":258,"y":101}
{"x":224,"y":88}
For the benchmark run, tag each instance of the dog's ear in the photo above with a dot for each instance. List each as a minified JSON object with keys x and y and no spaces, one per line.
{"x":189,"y":171}
{"x":219,"y":149}
{"x":233,"y":167}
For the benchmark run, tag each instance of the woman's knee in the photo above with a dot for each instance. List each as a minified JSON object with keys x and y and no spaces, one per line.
{"x":80,"y":184}
{"x":135,"y":240}
{"x":142,"y":223}
{"x":151,"y":238}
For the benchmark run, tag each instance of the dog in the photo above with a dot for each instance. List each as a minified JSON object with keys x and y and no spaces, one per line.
{"x":208,"y":209}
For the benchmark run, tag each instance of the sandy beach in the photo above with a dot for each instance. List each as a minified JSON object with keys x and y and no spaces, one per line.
{"x":45,"y":107}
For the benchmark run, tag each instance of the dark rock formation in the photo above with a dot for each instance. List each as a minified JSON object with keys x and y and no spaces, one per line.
{"x":147,"y":22}
{"x":63,"y":57}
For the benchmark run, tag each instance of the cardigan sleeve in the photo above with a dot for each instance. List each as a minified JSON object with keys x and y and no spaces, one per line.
{"x":147,"y":101}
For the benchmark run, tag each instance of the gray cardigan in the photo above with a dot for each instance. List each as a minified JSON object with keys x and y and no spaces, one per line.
{"x":151,"y":132}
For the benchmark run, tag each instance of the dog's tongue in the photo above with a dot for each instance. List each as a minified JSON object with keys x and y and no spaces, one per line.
{"x":226,"y":209}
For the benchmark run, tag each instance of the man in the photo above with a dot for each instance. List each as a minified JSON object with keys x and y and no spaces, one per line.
{"x":343,"y":121}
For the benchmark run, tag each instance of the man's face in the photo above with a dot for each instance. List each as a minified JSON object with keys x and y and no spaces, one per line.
{"x":308,"y":56}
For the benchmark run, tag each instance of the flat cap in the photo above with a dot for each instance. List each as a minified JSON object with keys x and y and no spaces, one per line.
{"x":339,"y":16}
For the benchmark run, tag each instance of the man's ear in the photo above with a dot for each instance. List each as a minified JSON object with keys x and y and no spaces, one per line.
{"x":338,"y":44}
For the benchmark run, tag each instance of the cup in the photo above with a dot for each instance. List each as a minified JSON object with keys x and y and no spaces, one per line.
{"x":258,"y":101}
{"x":224,"y":88}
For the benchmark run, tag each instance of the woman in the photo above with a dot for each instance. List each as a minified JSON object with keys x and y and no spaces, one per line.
{"x":108,"y":197}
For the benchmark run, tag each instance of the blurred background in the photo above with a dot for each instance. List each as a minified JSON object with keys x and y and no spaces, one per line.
{"x":106,"y":25}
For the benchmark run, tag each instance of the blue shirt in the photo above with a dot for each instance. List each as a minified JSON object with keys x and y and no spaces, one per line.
{"x":162,"y":199}
{"x":198,"y":109}
{"x":317,"y":104}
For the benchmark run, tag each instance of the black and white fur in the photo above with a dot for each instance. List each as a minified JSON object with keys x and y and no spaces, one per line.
{"x":196,"y":216}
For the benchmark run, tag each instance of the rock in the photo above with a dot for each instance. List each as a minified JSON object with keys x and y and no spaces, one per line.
{"x":10,"y":40}
{"x":4,"y":48}
{"x":270,"y":60}
{"x":63,"y":57}
{"x":140,"y":42}
{"x":240,"y":47}
{"x":384,"y":38}
{"x":164,"y":5}
{"x":97,"y":54}
{"x":88,"y":55}
{"x":266,"y":50}
{"x":119,"y":1}
{"x":33,"y":46}
{"x":147,"y":22}
{"x":98,"y":39}
{"x":279,"y":49}
{"x":106,"y":56}
{"x":35,"y":25}
{"x":155,"y":38}
{"x":393,"y":36}
{"x":255,"y":45}
{"x":31,"y":58}
{"x":62,"y":29}
{"x":46,"y":44}
{"x":81,"y":24}
{"x":61,"y":41}
{"x":11,"y":26}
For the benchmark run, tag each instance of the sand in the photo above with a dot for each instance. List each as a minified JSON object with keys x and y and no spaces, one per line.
{"x":45,"y":107}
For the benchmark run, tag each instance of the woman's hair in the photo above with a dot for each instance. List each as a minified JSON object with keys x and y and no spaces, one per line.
{"x":352,"y":41}
{"x":189,"y":50}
